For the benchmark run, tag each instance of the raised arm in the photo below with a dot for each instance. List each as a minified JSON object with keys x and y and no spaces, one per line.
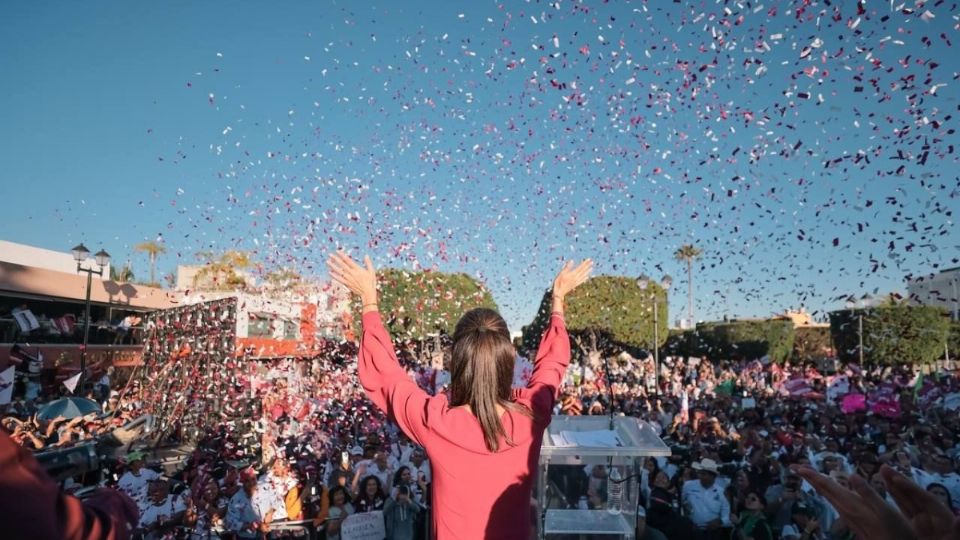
{"x":384,"y":381}
{"x":553,"y":355}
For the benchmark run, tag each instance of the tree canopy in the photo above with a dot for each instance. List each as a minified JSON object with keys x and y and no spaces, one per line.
{"x":749,"y":339}
{"x":222,"y":272}
{"x":612,"y":310}
{"x":893,"y":334}
{"x":419,"y":304}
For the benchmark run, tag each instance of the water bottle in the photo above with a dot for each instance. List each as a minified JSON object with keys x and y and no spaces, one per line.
{"x":614,"y":491}
{"x":583,"y":504}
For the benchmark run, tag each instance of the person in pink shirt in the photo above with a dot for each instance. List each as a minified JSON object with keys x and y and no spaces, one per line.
{"x":482,"y":437}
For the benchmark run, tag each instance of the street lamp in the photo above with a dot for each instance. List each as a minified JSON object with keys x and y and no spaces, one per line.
{"x":853,"y":303}
{"x":102,"y":258}
{"x":643,"y":281}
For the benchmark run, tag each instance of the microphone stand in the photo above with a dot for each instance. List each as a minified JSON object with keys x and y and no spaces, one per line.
{"x":606,"y":375}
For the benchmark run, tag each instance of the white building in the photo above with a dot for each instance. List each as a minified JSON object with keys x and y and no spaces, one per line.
{"x":58,"y":261}
{"x":941,"y":289}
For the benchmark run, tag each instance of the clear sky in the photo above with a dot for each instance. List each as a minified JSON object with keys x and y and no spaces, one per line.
{"x":809,"y":150}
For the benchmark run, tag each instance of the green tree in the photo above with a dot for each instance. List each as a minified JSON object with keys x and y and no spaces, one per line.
{"x":898,"y":334}
{"x":607,"y":314}
{"x":953,"y":341}
{"x":687,"y":254}
{"x":688,"y":343}
{"x":417,"y":305}
{"x":749,"y":339}
{"x":812,"y":343}
{"x":153,"y":249}
{"x":222,"y":272}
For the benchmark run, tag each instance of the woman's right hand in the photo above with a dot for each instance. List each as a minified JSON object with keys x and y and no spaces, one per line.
{"x":360,"y":280}
{"x":570,"y":277}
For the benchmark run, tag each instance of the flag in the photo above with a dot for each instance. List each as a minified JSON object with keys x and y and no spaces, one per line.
{"x":853,"y":402}
{"x":796,"y":386}
{"x":6,"y":385}
{"x":71,"y":383}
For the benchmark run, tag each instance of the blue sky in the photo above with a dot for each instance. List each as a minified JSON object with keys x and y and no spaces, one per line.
{"x":496,"y":138}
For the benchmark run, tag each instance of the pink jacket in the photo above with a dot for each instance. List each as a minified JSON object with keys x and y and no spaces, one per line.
{"x":476,"y":494}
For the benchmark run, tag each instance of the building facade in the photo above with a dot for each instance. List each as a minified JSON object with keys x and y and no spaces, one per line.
{"x":941,"y":289}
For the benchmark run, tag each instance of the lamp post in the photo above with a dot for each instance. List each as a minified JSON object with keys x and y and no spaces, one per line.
{"x":853,"y":303}
{"x":643,"y":281}
{"x":102,"y":258}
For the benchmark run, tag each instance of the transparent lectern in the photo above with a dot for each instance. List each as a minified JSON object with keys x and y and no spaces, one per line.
{"x":573,"y":489}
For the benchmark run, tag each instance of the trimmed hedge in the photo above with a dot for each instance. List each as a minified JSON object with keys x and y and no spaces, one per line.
{"x":416,"y":304}
{"x":749,"y":340}
{"x":613,"y":308}
{"x":812,"y":343}
{"x":891,"y":334}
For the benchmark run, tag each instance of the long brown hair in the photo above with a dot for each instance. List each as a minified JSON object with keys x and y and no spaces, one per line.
{"x":481,"y":371}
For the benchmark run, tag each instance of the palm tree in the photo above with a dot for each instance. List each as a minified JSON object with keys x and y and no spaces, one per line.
{"x":123,"y":275}
{"x":152,"y":248}
{"x":688,"y":253}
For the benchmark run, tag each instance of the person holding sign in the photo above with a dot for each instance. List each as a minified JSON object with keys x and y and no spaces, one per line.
{"x":482,"y":437}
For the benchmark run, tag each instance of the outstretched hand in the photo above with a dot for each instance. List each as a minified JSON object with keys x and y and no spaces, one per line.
{"x":923,"y":517}
{"x":569,"y":277}
{"x":930,"y":518}
{"x":362,"y":281}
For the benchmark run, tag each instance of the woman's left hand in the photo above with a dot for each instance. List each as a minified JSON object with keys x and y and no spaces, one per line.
{"x":361,"y":281}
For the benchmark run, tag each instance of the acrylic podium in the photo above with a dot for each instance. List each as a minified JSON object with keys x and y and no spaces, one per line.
{"x":574,"y":446}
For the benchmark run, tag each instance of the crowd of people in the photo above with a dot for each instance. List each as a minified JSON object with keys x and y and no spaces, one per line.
{"x":306,"y":450}
{"x":739,"y":430}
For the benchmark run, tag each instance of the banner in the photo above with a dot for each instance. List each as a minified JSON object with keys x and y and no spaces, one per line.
{"x":366,"y":526}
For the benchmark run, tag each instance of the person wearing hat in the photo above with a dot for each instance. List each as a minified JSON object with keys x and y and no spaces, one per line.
{"x":134,"y":481}
{"x":705,"y":502}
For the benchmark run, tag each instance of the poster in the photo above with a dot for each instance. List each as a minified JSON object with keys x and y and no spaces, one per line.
{"x":367,"y":526}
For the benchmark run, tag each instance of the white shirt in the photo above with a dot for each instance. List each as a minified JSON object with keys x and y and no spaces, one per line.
{"x":399,"y":453}
{"x":152,"y":513}
{"x":704,"y":505}
{"x":385,"y":475}
{"x":272,"y":493}
{"x":951,"y":481}
{"x":135,"y":485}
{"x":241,"y":513}
{"x":423,"y":468}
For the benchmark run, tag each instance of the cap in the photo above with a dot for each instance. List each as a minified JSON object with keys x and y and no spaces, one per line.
{"x":356,"y":451}
{"x":135,"y":456}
